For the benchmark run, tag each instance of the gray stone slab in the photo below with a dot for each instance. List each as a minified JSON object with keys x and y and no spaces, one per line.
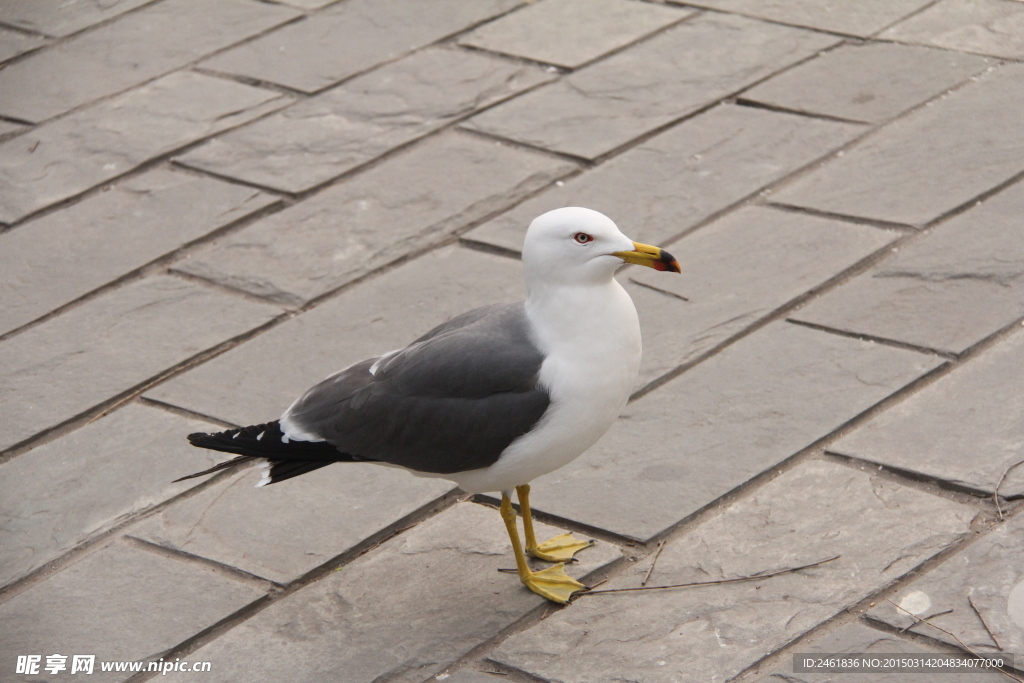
{"x":64,"y":492}
{"x":60,"y":17}
{"x":966,"y":428}
{"x":135,"y":48}
{"x":783,"y":256}
{"x":302,"y":523}
{"x":99,"y":143}
{"x":402,"y":612}
{"x":13,"y":43}
{"x":119,"y":604}
{"x":947,"y":290}
{"x":989,"y":572}
{"x":52,"y":261}
{"x":666,"y":185}
{"x":872,"y":82}
{"x":318,"y":140}
{"x":92,"y":353}
{"x":929,"y":162}
{"x":570,"y":33}
{"x":988,"y":27}
{"x":9,"y":130}
{"x":856,"y":638}
{"x":304,"y":55}
{"x":407,"y":203}
{"x":737,"y":414}
{"x":604,"y":106}
{"x":863,"y":18}
{"x":814,"y":512}
{"x":258,"y":380}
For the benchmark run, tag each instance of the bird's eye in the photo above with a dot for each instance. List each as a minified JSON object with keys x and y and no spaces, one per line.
{"x":582,"y":238}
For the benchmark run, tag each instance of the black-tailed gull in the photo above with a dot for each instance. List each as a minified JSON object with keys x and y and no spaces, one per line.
{"x":491,"y":399}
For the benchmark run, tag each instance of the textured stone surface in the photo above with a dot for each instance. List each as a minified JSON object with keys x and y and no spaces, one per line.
{"x":261,"y":378}
{"x":989,"y":27}
{"x":131,"y":50}
{"x":109,"y":235}
{"x":855,"y":638}
{"x":817,"y":511}
{"x":60,"y":17}
{"x":989,"y":572}
{"x":402,"y":612}
{"x":48,"y":501}
{"x":946,"y":290}
{"x":121,"y":603}
{"x":304,"y":55}
{"x":302,"y":523}
{"x":320,"y":139}
{"x":784,"y":255}
{"x":13,"y":43}
{"x":8,"y":129}
{"x":666,"y":185}
{"x":55,"y":371}
{"x":929,"y":162}
{"x":61,"y":159}
{"x":572,"y":32}
{"x":726,"y":420}
{"x":966,"y":428}
{"x":377,"y":217}
{"x":598,"y":109}
{"x":862,"y":18}
{"x":872,"y":82}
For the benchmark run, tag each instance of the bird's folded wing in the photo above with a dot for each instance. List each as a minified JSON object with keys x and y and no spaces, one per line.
{"x":450,"y":402}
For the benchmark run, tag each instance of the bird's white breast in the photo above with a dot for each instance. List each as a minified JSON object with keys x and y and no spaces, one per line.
{"x":590,"y":337}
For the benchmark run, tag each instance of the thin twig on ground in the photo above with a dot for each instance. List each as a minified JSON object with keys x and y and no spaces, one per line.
{"x":995,"y":493}
{"x":661,"y":546}
{"x":984,"y":623}
{"x":954,"y":637}
{"x":752,"y":577}
{"x":925,"y":619}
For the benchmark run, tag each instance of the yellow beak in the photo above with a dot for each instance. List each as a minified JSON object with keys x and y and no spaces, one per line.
{"x":652,"y":257}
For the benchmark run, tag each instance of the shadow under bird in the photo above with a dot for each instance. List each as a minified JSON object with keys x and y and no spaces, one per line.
{"x":491,"y":399}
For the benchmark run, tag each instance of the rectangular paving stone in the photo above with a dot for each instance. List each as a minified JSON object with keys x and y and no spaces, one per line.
{"x":929,"y":162}
{"x":409,"y":202}
{"x":856,"y":638}
{"x":988,"y":572}
{"x":863,"y":18}
{"x":99,"y":143}
{"x":669,"y":183}
{"x":13,"y":43}
{"x":53,"y":260}
{"x":62,"y":493}
{"x":570,"y":33}
{"x":259,"y":379}
{"x":729,"y":289}
{"x":965,"y":428}
{"x":819,"y":510}
{"x":402,"y":612}
{"x":119,"y":604}
{"x":57,"y":370}
{"x":60,"y":17}
{"x":135,"y":48}
{"x":318,"y":140}
{"x":301,"y":524}
{"x":988,"y":27}
{"x":947,"y":290}
{"x":604,"y":106}
{"x":305,"y":55}
{"x":733,"y":416}
{"x":872,"y":82}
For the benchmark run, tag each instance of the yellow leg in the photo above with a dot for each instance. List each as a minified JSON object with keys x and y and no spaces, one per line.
{"x":552,"y":583}
{"x":561,"y":548}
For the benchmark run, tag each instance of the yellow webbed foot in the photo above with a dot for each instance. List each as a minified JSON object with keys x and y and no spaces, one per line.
{"x":553,"y":583}
{"x":561,"y":548}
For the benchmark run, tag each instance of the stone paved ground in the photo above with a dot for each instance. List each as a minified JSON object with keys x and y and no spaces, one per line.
{"x":207,"y":206}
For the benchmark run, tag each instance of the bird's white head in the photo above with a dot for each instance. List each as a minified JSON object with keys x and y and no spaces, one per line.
{"x":581,"y":246}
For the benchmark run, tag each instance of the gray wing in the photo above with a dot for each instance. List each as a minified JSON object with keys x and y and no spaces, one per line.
{"x":452,"y":401}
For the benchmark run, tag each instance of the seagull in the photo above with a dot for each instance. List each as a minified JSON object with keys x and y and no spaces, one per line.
{"x":491,"y":399}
